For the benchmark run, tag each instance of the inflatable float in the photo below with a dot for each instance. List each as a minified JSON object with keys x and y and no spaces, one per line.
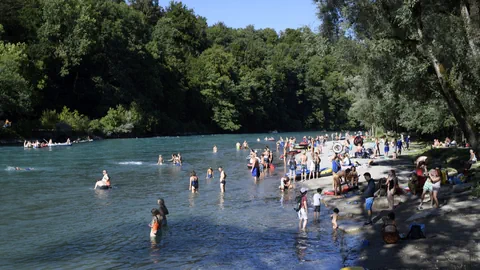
{"x":323,"y":172}
{"x":59,"y":144}
{"x":345,"y":189}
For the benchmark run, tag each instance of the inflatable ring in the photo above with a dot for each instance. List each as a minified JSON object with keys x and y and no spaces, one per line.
{"x":337,"y":148}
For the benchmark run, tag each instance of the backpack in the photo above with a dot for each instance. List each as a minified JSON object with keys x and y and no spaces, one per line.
{"x":415,"y":232}
{"x":299,"y":203}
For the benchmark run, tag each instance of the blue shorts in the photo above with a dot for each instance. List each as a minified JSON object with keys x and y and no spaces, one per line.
{"x":369,"y":203}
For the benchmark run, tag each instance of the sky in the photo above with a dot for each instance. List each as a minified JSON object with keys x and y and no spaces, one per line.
{"x":276,"y":14}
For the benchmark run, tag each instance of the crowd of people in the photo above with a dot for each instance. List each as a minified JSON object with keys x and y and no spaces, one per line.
{"x":306,"y":156}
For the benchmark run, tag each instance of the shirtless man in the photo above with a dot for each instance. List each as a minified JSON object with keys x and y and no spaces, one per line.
{"x":337,"y":180}
{"x":223,"y":177}
{"x":105,"y":181}
{"x":303,"y":162}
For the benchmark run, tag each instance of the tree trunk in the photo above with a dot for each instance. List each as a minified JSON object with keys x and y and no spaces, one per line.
{"x":469,"y":29}
{"x":454,"y":104}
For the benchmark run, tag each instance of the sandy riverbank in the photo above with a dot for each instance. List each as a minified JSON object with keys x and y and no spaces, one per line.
{"x":452,"y":232}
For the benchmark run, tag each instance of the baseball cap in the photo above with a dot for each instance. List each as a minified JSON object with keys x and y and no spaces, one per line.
{"x":303,"y":190}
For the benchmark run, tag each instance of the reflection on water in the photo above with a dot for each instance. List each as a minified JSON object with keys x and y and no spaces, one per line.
{"x":78,"y":227}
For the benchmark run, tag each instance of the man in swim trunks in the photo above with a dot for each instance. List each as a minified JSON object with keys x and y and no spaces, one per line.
{"x":369,"y":196}
{"x":223,"y":177}
{"x":303,"y":162}
{"x":105,"y":181}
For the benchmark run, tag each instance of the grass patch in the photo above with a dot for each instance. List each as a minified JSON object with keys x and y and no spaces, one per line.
{"x":445,"y":157}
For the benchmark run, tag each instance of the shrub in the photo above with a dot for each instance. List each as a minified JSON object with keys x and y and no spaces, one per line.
{"x":49,"y":119}
{"x":77,"y":121}
{"x":120,"y":120}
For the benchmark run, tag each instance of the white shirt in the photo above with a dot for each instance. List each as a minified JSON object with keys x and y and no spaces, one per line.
{"x":105,"y":178}
{"x":317,"y":199}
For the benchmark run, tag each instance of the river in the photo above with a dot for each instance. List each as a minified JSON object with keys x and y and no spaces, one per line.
{"x":51,"y":217}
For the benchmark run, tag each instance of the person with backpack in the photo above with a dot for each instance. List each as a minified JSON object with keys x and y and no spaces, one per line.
{"x":302,"y":208}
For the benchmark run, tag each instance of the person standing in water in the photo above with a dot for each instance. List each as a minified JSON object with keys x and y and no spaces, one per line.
{"x":255,"y":169}
{"x":214,"y":149}
{"x":156,"y":223}
{"x":160,"y":160}
{"x":163,"y":210}
{"x":193,"y":182}
{"x":303,"y":212}
{"x":223,"y":177}
{"x":105,"y":181}
{"x":209,"y":173}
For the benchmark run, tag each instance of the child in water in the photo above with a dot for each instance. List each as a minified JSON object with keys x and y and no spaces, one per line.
{"x":334,"y":217}
{"x":156,"y":223}
{"x":209,"y":173}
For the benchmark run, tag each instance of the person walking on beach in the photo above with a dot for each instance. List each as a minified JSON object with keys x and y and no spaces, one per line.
{"x":432,"y":185}
{"x":386,"y":148}
{"x":369,"y":196}
{"x":303,"y":212}
{"x":223,"y":177}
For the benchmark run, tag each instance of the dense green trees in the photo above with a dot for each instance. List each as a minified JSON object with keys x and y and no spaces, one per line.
{"x":138,"y":67}
{"x":119,"y":67}
{"x":422,"y":62}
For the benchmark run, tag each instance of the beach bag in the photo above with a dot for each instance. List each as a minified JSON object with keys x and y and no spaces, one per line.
{"x":416,"y":231}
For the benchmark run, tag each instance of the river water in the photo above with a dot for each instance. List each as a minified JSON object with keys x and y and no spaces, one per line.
{"x":52,"y":217}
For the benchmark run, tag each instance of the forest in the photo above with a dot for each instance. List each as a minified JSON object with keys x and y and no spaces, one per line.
{"x":140,"y":68}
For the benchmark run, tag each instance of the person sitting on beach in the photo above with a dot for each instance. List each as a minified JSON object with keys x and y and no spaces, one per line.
{"x":334,"y":218}
{"x":352,"y":177}
{"x":390,"y":233}
{"x":162,"y":208}
{"x":473,"y":157}
{"x":160,"y":160}
{"x":105,"y":181}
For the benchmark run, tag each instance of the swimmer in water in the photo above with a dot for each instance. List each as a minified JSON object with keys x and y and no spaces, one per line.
{"x":22,"y":169}
{"x":209,"y":173}
{"x":214,"y":149}
{"x":160,"y":160}
{"x":105,"y":181}
{"x":238,"y":145}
